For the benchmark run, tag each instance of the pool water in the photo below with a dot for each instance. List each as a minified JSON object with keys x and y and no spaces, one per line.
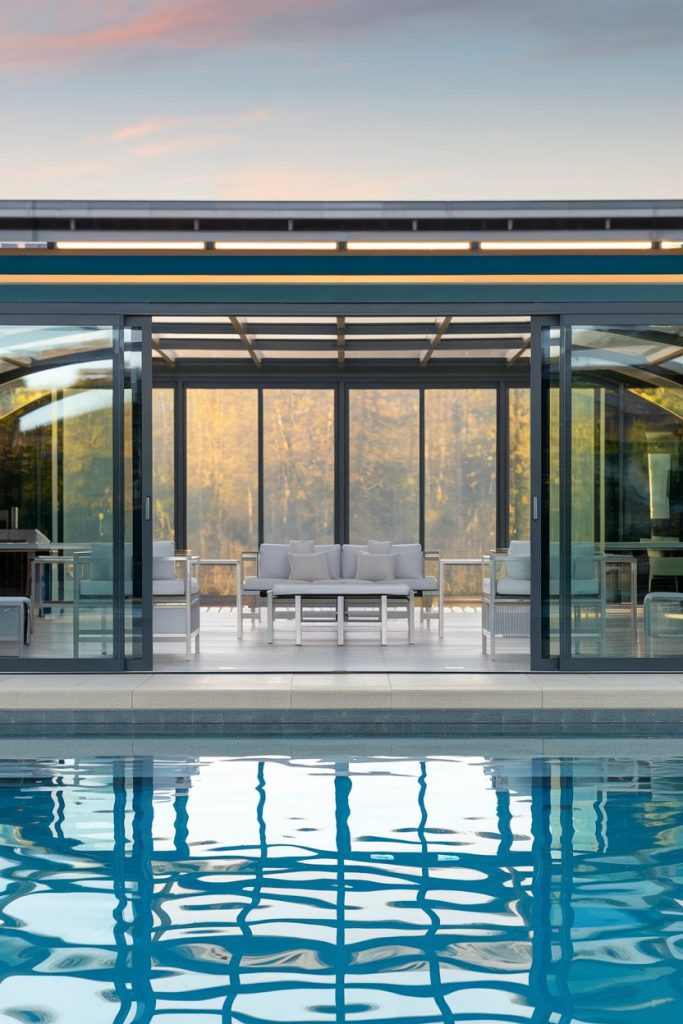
{"x":250,"y":890}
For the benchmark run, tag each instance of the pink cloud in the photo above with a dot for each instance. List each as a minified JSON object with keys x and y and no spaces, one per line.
{"x":140,"y":129}
{"x":159,"y":136}
{"x":155,"y":24}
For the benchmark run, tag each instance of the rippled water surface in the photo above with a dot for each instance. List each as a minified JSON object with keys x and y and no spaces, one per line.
{"x":382,"y":889}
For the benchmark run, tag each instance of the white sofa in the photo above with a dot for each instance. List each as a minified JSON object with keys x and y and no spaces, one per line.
{"x":273,"y":571}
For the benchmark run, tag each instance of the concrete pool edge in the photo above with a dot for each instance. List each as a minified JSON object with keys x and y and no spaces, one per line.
{"x":342,"y":704}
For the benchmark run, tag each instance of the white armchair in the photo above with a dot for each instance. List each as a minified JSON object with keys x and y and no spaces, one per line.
{"x":506,"y":596}
{"x":175,"y":589}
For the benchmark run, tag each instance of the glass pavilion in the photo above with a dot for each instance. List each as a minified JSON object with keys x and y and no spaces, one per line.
{"x":462,"y":375}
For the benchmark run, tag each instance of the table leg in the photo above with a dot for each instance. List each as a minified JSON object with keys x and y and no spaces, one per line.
{"x":297,"y":620}
{"x":340,"y":621}
{"x":238,"y":598}
{"x":271,"y":613}
{"x":440,"y":602}
{"x":411,"y":618}
{"x":383,"y":619}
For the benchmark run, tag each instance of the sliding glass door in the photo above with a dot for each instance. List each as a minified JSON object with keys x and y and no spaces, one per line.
{"x":71,"y":495}
{"x":612,"y":591}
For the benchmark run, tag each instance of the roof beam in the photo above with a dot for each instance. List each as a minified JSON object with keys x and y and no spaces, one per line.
{"x":341,"y":339}
{"x":436,"y":340}
{"x":246,"y":341}
{"x":520,"y":352}
{"x":164,"y":355}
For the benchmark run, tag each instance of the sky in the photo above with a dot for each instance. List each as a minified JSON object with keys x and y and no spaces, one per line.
{"x":341,"y":99}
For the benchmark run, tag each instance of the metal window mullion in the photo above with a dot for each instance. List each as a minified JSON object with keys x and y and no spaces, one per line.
{"x":118,"y":494}
{"x":260,"y":470}
{"x":421,"y":467}
{"x":502,"y":466}
{"x":180,"y":465}
{"x":565,"y":410}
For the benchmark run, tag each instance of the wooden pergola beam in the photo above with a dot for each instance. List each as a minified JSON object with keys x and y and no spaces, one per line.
{"x":436,"y":340}
{"x":246,"y":340}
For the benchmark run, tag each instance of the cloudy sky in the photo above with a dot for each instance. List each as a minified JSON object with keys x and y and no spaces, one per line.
{"x":341,"y":99}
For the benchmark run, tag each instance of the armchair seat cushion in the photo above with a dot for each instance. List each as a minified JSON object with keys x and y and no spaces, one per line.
{"x":173,"y":588}
{"x":509,"y":587}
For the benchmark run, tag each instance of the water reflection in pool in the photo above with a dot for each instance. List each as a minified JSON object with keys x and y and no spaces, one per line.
{"x":250,"y":890}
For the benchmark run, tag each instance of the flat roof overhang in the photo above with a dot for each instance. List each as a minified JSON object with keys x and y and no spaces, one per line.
{"x":339,"y":277}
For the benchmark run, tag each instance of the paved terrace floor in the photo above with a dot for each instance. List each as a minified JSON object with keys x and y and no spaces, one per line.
{"x":376,"y":691}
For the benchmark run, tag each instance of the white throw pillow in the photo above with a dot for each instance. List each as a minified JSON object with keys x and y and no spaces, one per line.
{"x":379,"y":547}
{"x":309,"y":568}
{"x":375,"y":568}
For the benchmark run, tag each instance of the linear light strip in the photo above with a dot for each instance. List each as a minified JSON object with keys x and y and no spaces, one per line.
{"x":574,"y":244}
{"x":389,"y":245}
{"x":82,"y":246}
{"x":275,"y":246}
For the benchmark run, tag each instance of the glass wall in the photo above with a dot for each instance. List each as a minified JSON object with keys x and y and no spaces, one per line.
{"x":626,"y":494}
{"x":384,"y":461}
{"x":57,"y":506}
{"x":298,"y":465}
{"x":222,"y":478}
{"x":163,"y":451}
{"x":460,"y":479}
{"x":519,"y":430}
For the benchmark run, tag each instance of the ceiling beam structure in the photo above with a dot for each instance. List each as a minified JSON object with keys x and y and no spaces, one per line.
{"x":436,"y":341}
{"x":246,"y":340}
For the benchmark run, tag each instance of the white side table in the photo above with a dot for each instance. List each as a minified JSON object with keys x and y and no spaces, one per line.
{"x":237,"y":564}
{"x":443,"y":562}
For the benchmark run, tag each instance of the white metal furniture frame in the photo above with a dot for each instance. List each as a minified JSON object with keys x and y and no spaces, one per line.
{"x":236,"y":563}
{"x":444,"y":563}
{"x":336,"y":603}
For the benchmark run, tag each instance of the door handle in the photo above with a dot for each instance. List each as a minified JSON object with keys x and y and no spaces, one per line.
{"x":148,"y":508}
{"x":534,"y":507}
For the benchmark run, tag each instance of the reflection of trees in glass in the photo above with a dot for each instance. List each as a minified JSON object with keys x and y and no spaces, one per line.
{"x":460,"y":477}
{"x":520,"y":456}
{"x":298,"y":472}
{"x":384,"y":465}
{"x":87,"y":474}
{"x":222,"y":475}
{"x":163,"y":449}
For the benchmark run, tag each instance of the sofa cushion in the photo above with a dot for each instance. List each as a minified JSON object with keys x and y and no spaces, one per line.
{"x":273,"y":560}
{"x":418,"y":582}
{"x":260,"y":584}
{"x":301,"y":547}
{"x":512,"y":587}
{"x":409,"y":560}
{"x":379,"y":547}
{"x":333,"y":552}
{"x":309,"y":567}
{"x":349,"y":560}
{"x":162,"y":568}
{"x":375,"y":567}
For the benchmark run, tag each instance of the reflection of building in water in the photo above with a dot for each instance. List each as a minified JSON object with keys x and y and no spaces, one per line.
{"x":401,"y":891}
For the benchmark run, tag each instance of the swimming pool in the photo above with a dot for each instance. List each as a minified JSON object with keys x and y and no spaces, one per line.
{"x":386,"y":888}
